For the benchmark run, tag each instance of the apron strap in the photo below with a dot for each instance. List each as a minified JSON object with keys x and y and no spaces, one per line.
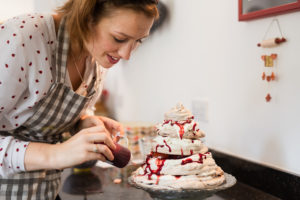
{"x":62,"y":48}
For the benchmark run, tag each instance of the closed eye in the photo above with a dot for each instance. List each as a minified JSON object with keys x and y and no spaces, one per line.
{"x":120,"y":41}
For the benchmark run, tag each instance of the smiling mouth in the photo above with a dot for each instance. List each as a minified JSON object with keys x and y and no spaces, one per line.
{"x":113,"y":60}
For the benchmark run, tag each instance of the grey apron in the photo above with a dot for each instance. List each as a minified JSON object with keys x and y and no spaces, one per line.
{"x":56,"y":113}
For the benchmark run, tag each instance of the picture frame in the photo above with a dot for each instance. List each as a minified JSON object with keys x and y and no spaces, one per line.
{"x":254,"y":9}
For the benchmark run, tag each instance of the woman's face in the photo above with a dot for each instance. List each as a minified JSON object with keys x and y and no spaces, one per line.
{"x":117,"y":35}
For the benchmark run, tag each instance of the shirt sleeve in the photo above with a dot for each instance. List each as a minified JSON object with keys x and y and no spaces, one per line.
{"x":12,"y":153}
{"x":25,"y":77}
{"x":13,"y":83}
{"x":13,"y":73}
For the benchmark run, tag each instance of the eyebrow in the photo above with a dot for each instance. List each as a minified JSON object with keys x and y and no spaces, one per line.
{"x":128,"y":36}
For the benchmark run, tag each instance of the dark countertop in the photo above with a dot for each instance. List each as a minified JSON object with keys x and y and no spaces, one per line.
{"x":108,"y":190}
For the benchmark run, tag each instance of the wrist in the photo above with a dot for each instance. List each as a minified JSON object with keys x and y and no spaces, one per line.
{"x":40,"y":156}
{"x":53,"y":157}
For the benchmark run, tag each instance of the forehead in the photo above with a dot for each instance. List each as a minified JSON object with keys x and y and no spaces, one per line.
{"x":127,"y":21}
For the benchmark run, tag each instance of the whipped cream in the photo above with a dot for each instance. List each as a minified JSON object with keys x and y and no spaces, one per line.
{"x":198,"y":171}
{"x":176,"y":146}
{"x":178,"y":113}
{"x":179,"y":123}
{"x":184,"y":129}
{"x":200,"y":164}
{"x":180,"y":182}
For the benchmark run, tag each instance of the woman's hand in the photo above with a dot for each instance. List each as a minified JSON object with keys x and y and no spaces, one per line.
{"x":89,"y":144}
{"x":88,"y":121}
{"x":92,"y":142}
{"x":112,"y":126}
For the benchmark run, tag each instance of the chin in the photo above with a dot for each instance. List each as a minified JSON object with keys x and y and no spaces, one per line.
{"x":106,"y":65}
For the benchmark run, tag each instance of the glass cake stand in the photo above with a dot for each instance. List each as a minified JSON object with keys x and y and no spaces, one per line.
{"x":185,"y":194}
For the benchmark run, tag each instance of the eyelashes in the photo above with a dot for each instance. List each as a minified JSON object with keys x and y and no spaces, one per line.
{"x":119,"y":41}
{"x":122,"y":41}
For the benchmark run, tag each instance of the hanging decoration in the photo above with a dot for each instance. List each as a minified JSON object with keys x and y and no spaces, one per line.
{"x":269,"y":60}
{"x":269,"y":74}
{"x":268,"y":78}
{"x":272,"y":42}
{"x":268,"y":97}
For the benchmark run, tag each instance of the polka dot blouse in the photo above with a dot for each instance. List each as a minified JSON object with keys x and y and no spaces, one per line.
{"x":27,"y":44}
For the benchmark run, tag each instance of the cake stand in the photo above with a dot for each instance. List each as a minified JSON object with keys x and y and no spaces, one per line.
{"x":185,"y":194}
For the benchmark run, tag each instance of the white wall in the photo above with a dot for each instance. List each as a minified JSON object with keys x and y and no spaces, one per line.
{"x":205,"y":53}
{"x":12,"y":8}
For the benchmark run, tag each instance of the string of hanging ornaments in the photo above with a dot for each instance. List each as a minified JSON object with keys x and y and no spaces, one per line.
{"x":269,"y":74}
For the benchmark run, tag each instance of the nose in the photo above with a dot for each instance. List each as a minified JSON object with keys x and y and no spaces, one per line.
{"x":125,"y":50}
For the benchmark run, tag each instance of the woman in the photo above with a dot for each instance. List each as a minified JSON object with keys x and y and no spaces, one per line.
{"x":51,"y":74}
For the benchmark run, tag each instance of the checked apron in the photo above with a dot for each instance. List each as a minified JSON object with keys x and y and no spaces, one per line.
{"x":56,"y":113}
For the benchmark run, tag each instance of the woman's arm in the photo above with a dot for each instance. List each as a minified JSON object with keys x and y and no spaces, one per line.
{"x":78,"y":149}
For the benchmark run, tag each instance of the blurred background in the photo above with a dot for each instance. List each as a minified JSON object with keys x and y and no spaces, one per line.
{"x":205,"y":58}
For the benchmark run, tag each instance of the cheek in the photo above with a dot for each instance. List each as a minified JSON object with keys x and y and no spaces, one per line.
{"x":108,"y":46}
{"x":104,"y":46}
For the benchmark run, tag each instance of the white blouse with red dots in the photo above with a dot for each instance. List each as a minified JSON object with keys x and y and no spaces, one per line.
{"x":27,"y":44}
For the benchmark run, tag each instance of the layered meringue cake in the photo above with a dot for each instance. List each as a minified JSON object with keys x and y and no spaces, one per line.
{"x":179,"y":159}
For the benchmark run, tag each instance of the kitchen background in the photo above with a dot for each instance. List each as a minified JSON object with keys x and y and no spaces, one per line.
{"x":205,"y":58}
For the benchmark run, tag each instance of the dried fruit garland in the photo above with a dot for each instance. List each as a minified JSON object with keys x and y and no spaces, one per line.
{"x":269,"y":60}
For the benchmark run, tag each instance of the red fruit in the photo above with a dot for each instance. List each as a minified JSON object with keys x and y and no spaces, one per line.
{"x":122,"y":156}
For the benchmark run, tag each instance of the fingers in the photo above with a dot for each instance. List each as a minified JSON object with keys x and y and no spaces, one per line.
{"x":95,"y":156}
{"x":99,"y":135}
{"x":104,"y":139}
{"x":95,"y":121}
{"x":112,"y":125}
{"x":102,"y":150}
{"x":89,"y":121}
{"x":94,"y":129}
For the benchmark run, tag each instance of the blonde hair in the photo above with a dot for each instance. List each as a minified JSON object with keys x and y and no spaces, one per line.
{"x":80,"y":14}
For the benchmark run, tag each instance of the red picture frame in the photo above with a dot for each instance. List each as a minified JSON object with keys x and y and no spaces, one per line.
{"x":284,"y":8}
